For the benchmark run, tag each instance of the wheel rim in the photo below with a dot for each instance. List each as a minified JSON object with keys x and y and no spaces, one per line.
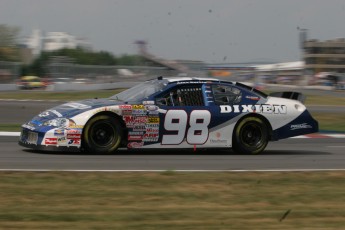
{"x":251,"y":135}
{"x":103,"y":134}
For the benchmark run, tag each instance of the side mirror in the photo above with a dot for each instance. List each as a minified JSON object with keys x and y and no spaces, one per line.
{"x":161,"y":101}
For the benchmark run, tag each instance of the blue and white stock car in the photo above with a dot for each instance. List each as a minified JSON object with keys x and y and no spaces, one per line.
{"x":195,"y":113}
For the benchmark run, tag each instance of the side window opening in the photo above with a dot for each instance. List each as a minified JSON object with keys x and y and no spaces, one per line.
{"x":184,"y":96}
{"x":226,"y":95}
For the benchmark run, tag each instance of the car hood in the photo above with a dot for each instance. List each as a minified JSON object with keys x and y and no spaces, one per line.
{"x":72,"y":108}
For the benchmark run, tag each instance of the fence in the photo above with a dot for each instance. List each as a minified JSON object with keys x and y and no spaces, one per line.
{"x":103,"y":74}
{"x":9,"y":72}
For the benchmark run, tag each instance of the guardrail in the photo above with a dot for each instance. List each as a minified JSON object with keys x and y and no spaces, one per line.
{"x":75,"y":86}
{"x":8,"y":87}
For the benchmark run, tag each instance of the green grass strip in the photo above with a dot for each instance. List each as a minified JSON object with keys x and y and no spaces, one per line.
{"x":253,"y":200}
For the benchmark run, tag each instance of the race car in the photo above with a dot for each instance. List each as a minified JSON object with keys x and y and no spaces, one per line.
{"x":171,"y":113}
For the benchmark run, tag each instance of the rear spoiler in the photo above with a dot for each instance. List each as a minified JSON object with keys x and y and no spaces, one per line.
{"x":289,"y":95}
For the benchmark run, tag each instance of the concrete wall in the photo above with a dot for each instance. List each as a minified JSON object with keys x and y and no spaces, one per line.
{"x":8,"y":87}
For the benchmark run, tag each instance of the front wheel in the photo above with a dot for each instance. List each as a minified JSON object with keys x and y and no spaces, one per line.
{"x":102,"y":134}
{"x":250,"y":136}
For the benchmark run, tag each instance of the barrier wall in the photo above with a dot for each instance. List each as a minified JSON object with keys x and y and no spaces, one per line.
{"x":8,"y":87}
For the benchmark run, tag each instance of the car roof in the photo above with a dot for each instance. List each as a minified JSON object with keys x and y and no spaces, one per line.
{"x":29,"y":77}
{"x":171,"y":80}
{"x":176,"y":79}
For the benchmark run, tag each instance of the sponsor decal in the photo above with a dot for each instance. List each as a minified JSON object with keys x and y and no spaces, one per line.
{"x":151,"y":125}
{"x":264,"y":108}
{"x":135,"y":137}
{"x":153,"y":113}
{"x":28,"y":127}
{"x":153,"y":120}
{"x":148,"y":102}
{"x":76,"y":126}
{"x":135,"y":120}
{"x":74,"y":142}
{"x":35,"y":122}
{"x":59,"y":132}
{"x":135,"y":133}
{"x":125,"y":107}
{"x":73,"y":136}
{"x":152,"y":130}
{"x":50,"y":141}
{"x":44,"y":114}
{"x":138,"y":107}
{"x":126,"y":112}
{"x":152,"y":107}
{"x":150,"y":137}
{"x":253,"y":98}
{"x":74,"y":131}
{"x":300,"y":126}
{"x":77,"y":105}
{"x":139,"y":112}
{"x":139,"y":128}
{"x":47,"y":113}
{"x":56,"y":113}
{"x":218,"y":140}
{"x":62,"y":140}
{"x":131,"y":145}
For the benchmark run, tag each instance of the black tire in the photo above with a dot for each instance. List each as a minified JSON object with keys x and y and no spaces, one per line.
{"x":102,"y":134}
{"x":250,"y":136}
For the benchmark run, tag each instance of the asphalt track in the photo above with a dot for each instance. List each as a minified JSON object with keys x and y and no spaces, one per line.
{"x":290,"y":154}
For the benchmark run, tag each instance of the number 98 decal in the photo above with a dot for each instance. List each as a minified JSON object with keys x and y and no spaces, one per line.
{"x":196,"y":131}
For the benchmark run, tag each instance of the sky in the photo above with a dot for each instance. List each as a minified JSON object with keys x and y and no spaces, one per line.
{"x":213,"y":31}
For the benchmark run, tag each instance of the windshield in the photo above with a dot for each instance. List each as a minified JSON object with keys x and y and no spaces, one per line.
{"x":139,"y":92}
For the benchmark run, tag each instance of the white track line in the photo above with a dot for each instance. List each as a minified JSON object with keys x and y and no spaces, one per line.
{"x":10,"y":134}
{"x":169,"y":170}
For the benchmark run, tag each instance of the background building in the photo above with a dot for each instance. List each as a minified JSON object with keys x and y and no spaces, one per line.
{"x":59,"y":40}
{"x":324,"y":56}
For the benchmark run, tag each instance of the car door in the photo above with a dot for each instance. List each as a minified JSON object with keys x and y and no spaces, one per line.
{"x":184,"y":116}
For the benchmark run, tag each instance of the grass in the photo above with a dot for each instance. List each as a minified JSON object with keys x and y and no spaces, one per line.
{"x":325,"y":100}
{"x":172,"y":200}
{"x":330,"y":121}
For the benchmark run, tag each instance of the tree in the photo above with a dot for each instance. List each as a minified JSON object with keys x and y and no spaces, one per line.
{"x":79,"y":56}
{"x":8,"y":43}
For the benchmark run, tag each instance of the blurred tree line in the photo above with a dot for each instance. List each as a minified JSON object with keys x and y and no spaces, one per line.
{"x":80,"y":56}
{"x":10,"y":51}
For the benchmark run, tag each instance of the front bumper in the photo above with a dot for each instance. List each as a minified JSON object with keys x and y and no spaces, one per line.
{"x":48,"y":140}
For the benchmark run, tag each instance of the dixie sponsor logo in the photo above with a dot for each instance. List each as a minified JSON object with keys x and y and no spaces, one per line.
{"x":264,"y":108}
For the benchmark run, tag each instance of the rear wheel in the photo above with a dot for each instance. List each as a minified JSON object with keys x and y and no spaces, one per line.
{"x":250,"y":136}
{"x":102,"y":134}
